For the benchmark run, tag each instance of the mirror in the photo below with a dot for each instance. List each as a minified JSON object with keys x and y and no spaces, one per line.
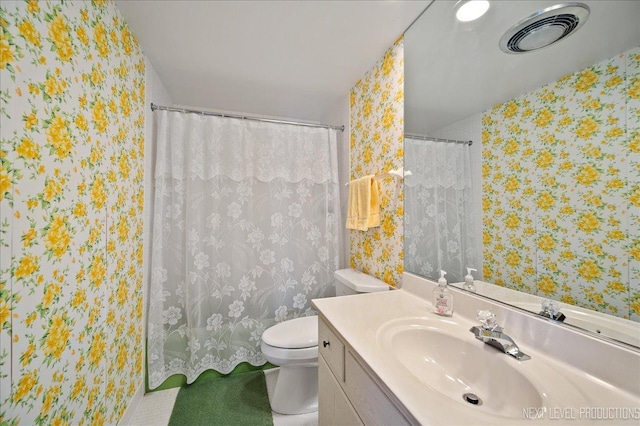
{"x":554,"y":164}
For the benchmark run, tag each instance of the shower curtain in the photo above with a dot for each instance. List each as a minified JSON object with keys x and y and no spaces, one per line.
{"x":245,"y":234}
{"x":439,"y":220}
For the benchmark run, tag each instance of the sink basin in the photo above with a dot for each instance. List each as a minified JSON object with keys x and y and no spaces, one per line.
{"x":440,"y":357}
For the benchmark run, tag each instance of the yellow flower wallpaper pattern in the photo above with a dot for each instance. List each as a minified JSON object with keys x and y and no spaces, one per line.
{"x":376,"y":115}
{"x":71,"y":198}
{"x":560,"y":189}
{"x":633,"y":189}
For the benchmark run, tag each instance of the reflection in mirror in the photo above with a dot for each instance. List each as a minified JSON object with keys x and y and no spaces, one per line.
{"x":554,"y":210}
{"x":439,"y":222}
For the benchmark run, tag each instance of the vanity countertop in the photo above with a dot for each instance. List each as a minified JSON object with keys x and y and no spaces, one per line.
{"x":359,"y":320}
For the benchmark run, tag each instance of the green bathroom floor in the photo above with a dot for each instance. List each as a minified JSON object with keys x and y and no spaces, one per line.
{"x":239,"y":399}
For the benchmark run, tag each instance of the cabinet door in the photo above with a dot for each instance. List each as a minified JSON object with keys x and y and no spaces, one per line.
{"x":333,"y":406}
{"x":369,"y":400}
{"x":332,"y":349}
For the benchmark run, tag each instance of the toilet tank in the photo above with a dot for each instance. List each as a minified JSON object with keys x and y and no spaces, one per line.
{"x":352,"y":281}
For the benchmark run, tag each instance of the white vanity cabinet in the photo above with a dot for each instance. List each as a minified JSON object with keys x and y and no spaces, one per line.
{"x":347,"y":394}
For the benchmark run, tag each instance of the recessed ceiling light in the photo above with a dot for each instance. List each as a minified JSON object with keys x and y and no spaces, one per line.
{"x":469,"y":10}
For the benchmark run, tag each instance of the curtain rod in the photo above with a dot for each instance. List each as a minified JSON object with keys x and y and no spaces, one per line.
{"x":429,"y":138}
{"x":243,"y":117}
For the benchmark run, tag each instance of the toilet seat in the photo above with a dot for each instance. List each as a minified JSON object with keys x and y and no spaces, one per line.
{"x":292,"y":342}
{"x":297,"y":333}
{"x":281,"y":356}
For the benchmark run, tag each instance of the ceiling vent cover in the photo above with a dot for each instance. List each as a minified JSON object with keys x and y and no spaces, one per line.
{"x":544,"y":27}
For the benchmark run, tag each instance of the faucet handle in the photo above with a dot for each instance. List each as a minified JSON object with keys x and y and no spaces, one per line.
{"x":551,"y":310}
{"x":488,"y":319}
{"x":549,"y":307}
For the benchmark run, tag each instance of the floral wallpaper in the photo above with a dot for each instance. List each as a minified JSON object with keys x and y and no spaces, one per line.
{"x":633,"y":190}
{"x":377,"y":126}
{"x":71,"y":197}
{"x":561,"y":189}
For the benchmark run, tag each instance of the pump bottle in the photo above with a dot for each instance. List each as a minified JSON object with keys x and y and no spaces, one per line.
{"x":442,"y":297}
{"x":469,"y":285}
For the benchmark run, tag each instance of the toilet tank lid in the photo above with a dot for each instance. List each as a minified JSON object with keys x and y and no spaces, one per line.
{"x":359,"y":281}
{"x":296,"y":333}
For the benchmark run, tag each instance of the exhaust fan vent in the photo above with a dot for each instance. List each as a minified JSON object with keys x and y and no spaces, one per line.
{"x":544,"y":28}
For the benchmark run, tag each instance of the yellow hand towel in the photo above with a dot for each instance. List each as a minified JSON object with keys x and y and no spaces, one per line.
{"x":363,"y":210}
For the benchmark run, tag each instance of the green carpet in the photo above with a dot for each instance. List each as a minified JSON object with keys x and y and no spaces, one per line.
{"x":239,"y":399}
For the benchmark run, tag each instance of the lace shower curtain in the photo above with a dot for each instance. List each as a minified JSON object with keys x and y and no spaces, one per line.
{"x":439,"y":220}
{"x":245,"y":234}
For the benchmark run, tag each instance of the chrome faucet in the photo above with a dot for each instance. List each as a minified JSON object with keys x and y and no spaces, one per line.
{"x":551,"y":310}
{"x":491,"y":334}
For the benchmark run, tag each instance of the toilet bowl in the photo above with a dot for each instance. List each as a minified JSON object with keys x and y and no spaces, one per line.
{"x":293,"y":346}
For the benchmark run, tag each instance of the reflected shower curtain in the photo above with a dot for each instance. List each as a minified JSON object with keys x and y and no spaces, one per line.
{"x":245,"y":234}
{"x":439,"y":219}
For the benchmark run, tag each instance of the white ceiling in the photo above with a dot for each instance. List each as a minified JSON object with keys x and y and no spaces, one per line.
{"x":454,"y":70}
{"x":294,"y":59}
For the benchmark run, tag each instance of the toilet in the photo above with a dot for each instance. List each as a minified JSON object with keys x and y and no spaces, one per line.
{"x":293,"y":346}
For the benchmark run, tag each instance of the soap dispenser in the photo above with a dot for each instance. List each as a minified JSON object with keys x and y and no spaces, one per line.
{"x":442,"y":298}
{"x":469,"y":285}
